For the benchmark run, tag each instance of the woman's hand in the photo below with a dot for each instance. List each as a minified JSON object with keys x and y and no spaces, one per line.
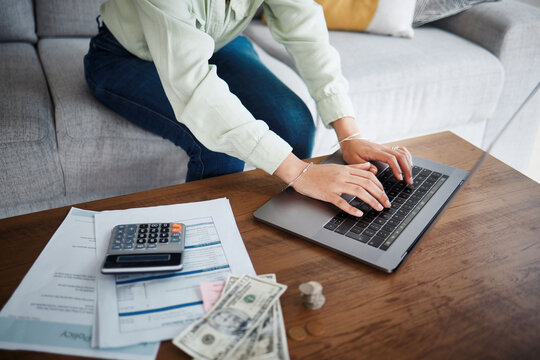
{"x":360,"y":151}
{"x":328,"y":182}
{"x":357,"y":151}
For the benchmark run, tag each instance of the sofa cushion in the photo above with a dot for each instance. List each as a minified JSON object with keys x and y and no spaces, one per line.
{"x":17,"y":21}
{"x":29,"y":166}
{"x":67,"y":18}
{"x":402,"y":87}
{"x":101,"y":152}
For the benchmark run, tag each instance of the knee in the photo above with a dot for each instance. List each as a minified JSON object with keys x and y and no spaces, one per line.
{"x":299,"y":129}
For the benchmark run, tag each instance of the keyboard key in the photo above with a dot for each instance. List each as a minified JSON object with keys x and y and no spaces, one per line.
{"x":356,"y":230}
{"x":376,"y":241}
{"x":331,"y":226}
{"x":374,"y":227}
{"x":345,"y":226}
{"x":369,"y":232}
{"x":359,"y":237}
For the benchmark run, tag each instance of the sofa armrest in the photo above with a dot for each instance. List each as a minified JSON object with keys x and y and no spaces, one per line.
{"x":501,"y":27}
{"x":510,"y":30}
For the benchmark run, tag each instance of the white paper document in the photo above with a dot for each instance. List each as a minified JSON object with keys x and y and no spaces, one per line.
{"x":157,"y":306}
{"x":52,"y":310}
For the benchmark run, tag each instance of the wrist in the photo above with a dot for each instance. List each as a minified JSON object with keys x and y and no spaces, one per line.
{"x":345,"y":127}
{"x":290,"y":168}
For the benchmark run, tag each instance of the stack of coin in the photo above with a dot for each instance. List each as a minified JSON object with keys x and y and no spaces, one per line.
{"x":312,"y":295}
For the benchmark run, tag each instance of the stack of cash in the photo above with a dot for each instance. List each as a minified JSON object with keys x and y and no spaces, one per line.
{"x":312,"y":296}
{"x":245,"y":323}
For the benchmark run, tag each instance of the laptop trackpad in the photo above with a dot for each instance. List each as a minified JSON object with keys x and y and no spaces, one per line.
{"x":297,"y":213}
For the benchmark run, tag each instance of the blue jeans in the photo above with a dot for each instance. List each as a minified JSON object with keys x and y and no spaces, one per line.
{"x":132,"y":88}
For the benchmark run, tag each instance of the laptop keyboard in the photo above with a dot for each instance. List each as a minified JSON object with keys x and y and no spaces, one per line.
{"x":381,"y":229}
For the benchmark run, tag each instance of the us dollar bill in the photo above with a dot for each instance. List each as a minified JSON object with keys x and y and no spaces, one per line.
{"x":269,"y":340}
{"x":237,"y":313}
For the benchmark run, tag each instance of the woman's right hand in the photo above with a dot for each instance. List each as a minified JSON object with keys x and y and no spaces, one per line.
{"x":327,"y":182}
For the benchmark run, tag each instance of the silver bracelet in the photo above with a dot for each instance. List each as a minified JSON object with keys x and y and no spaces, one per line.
{"x":354,"y":136}
{"x":299,"y":176}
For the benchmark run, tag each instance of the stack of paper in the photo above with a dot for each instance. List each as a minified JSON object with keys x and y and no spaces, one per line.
{"x":64,"y":290}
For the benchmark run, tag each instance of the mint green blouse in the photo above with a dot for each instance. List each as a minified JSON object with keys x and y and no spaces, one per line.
{"x":180,"y":36}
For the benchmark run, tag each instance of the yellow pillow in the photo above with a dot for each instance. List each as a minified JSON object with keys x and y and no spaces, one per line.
{"x":351,"y":15}
{"x":386,"y":17}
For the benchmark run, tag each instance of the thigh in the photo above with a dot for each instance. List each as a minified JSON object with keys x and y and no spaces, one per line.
{"x":132,"y":87}
{"x":264,"y":95}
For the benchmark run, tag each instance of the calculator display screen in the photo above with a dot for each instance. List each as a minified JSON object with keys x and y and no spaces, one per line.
{"x":143,"y":258}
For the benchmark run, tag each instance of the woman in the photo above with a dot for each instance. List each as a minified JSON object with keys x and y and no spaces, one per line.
{"x":180,"y":69}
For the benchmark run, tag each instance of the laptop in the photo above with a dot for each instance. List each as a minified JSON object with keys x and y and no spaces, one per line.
{"x":379,"y":239}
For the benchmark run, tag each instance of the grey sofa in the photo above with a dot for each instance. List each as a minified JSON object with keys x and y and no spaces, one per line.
{"x":58,"y":145}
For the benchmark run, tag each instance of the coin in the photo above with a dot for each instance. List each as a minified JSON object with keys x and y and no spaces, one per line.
{"x":310,"y":288}
{"x":316,"y":303}
{"x":315,"y":328}
{"x":297,"y":333}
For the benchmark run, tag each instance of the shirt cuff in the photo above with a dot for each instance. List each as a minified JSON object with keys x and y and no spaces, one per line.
{"x":334,"y":107}
{"x":269,"y":152}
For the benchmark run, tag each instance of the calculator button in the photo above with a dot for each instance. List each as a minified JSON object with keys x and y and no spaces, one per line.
{"x":119,"y":236}
{"x":132,"y":227}
{"x":152,"y":241}
{"x":176,"y":230}
{"x":163,"y":241}
{"x":121,"y":227}
{"x":140,"y":246}
{"x":154,"y":230}
{"x":116,"y":247}
{"x":164,"y":230}
{"x":164,"y":235}
{"x":128,"y":241}
{"x":141,"y":241}
{"x":152,"y":246}
{"x":154,"y":225}
{"x":175,"y":240}
{"x":143,"y":231}
{"x":152,"y":236}
{"x":117,"y":241}
{"x":143,"y":226}
{"x":165,"y":225}
{"x":142,"y":236}
{"x":130,"y":237}
{"x":128,"y":246}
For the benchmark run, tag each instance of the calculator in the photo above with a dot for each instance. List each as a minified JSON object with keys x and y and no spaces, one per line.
{"x":148,"y":247}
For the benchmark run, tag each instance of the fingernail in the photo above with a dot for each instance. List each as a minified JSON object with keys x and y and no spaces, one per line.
{"x":387,"y":203}
{"x":359,"y":213}
{"x":380,"y":207}
{"x":400,"y":177}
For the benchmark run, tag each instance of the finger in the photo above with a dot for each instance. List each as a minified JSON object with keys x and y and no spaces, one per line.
{"x":364,"y":195}
{"x":368,"y":175}
{"x":404,"y":163}
{"x":345,"y":206}
{"x":361,"y":166}
{"x":375,"y":191}
{"x":389,"y":157}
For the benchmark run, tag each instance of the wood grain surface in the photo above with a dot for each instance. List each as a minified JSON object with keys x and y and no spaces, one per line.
{"x":470,"y":289}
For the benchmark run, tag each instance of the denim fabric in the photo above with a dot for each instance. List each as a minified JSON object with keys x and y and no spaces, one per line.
{"x":131,"y":87}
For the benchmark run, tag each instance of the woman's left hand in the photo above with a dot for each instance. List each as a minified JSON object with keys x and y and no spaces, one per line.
{"x":357,"y":151}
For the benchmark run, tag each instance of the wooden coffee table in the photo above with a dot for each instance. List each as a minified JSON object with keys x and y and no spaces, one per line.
{"x":470,"y":290}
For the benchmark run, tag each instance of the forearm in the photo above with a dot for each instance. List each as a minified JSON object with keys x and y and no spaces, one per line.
{"x":345,"y":127}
